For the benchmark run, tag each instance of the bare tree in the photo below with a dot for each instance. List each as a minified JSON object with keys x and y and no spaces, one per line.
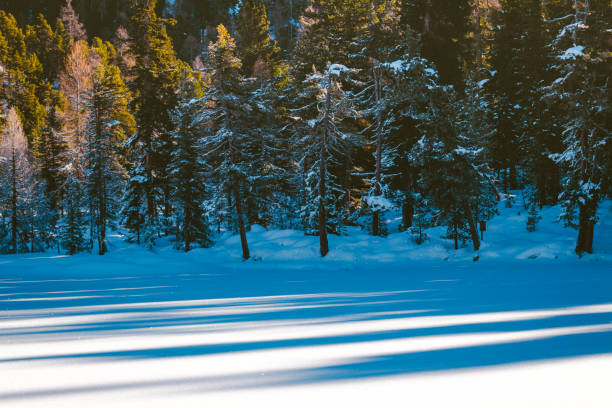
{"x":72,"y":24}
{"x":76,"y":84}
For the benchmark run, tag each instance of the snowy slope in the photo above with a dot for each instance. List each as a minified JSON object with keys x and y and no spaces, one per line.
{"x":382,"y":321}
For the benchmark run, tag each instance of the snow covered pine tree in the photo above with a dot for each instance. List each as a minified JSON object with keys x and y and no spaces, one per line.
{"x":228,"y":115}
{"x":22,"y":196}
{"x":324,"y":140}
{"x":187,"y":168}
{"x":583,"y":89}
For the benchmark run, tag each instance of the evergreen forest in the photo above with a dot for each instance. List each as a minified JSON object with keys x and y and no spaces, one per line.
{"x":182,"y":119}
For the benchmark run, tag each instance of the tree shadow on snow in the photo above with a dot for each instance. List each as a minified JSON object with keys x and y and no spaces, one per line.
{"x":466,"y":321}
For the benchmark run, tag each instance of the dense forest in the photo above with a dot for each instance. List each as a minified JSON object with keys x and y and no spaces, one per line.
{"x":186,"y":118}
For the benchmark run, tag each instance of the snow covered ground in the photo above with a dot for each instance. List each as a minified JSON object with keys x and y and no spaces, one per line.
{"x":379,"y":322}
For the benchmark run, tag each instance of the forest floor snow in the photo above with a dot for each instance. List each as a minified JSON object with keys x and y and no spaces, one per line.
{"x":379,"y":322}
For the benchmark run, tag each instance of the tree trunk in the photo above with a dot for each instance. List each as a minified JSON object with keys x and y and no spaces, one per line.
{"x":478,"y":41}
{"x":187,"y":229}
{"x":506,"y":182}
{"x":167,"y":208}
{"x":456,"y":237}
{"x":32,"y":233}
{"x":378,"y":192}
{"x":102,"y":218}
{"x":347,"y":184}
{"x":102,"y":242}
{"x":540,"y":186}
{"x":101,"y":186}
{"x":427,"y":19}
{"x":323,"y":243}
{"x":472,"y":224}
{"x":376,"y":223}
{"x":586,"y":227}
{"x":243,"y":238}
{"x":407,"y":213}
{"x":513,"y":178}
{"x":151,"y":206}
{"x":230,"y":219}
{"x":92,"y":223}
{"x":14,"y":204}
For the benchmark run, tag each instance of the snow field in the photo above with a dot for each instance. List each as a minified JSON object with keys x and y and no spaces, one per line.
{"x":381,"y":321}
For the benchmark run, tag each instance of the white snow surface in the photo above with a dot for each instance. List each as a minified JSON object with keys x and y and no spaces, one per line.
{"x":379,"y":322}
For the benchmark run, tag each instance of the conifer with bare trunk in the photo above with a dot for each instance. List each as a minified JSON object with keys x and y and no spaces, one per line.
{"x":20,"y":187}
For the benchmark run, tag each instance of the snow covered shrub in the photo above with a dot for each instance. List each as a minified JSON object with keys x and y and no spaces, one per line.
{"x":422,"y":219}
{"x":458,"y":233}
{"x":533,"y":217}
{"x":531,"y":205}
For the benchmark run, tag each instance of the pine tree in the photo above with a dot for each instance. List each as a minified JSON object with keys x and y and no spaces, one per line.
{"x":476,"y":125}
{"x":383,"y":37}
{"x":444,"y":27}
{"x":228,"y":117}
{"x":23,"y":86}
{"x":347,"y":42}
{"x":32,"y":112}
{"x":108,"y":125}
{"x":276,"y":189}
{"x":334,"y":32}
{"x":52,"y":148}
{"x":49,"y":47}
{"x":14,"y":149}
{"x":377,"y":109}
{"x":21,"y":198}
{"x":72,"y":224}
{"x":395,"y":102}
{"x":323,"y":139}
{"x":523,"y":137}
{"x":531,"y":205}
{"x":312,"y":45}
{"x":583,"y":89}
{"x":540,"y":134}
{"x":271,"y":169}
{"x":253,"y":38}
{"x":76,"y":85}
{"x":331,"y":32}
{"x":186,"y":168}
{"x":76,"y":81}
{"x":423,"y":219}
{"x":155,"y":80}
{"x":453,"y":172}
{"x":35,"y":216}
